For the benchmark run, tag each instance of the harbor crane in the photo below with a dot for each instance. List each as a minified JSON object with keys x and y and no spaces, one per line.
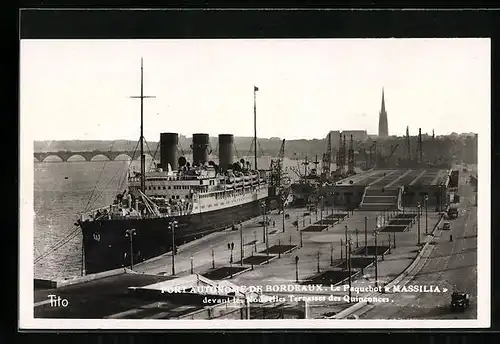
{"x":277,"y":165}
{"x":278,"y":177}
{"x":327,"y":159}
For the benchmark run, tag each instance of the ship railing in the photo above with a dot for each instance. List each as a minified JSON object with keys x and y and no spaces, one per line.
{"x":184,"y":178}
{"x":106,"y":210}
{"x":91,"y":214}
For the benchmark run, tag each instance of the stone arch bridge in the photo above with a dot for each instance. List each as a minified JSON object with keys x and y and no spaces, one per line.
{"x":88,"y":156}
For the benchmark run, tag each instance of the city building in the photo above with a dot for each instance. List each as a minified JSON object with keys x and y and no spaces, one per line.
{"x":357,"y":135}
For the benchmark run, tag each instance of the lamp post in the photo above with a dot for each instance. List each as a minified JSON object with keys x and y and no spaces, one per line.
{"x":267,"y":241}
{"x":241,"y":244}
{"x":283,"y":210}
{"x":375,"y":233}
{"x":341,"y":249}
{"x":130,"y":233}
{"x":297,"y":269}
{"x":346,"y":238}
{"x":331,"y":253}
{"x":389,"y":241}
{"x":418,"y":223}
{"x":321,"y":211}
{"x":230,"y":247}
{"x":173,"y":225}
{"x":366,"y":236}
{"x":426,"y":201}
{"x":213,"y":258}
{"x":318,"y":260}
{"x":255,"y":241}
{"x":348,"y":249}
{"x":264,"y":223}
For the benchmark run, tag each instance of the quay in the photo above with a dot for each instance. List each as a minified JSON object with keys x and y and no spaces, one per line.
{"x":330,"y":247}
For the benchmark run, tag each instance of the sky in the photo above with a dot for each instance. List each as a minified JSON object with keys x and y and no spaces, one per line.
{"x":79,"y":89}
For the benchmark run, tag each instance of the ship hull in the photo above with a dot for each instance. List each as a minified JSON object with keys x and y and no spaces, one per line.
{"x":107,"y":246}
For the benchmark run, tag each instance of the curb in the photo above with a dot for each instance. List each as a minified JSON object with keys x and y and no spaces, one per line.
{"x":405,"y":273}
{"x":93,"y":277}
{"x":248,"y":268}
{"x":350,"y":310}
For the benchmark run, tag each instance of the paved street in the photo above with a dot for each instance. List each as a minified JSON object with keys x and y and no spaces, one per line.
{"x":451,"y":265}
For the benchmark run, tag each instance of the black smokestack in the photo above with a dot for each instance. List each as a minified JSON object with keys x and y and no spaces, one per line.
{"x":168,"y":150}
{"x":225,"y":150}
{"x":200,"y":149}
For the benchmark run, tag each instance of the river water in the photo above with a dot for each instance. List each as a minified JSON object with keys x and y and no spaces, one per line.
{"x":62,"y":190}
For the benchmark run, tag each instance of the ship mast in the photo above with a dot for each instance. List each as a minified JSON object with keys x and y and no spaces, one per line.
{"x":255,"y":89}
{"x":141,"y":139}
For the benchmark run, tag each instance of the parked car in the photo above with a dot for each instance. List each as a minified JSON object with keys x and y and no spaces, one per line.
{"x":446,"y":226}
{"x":459,"y":301}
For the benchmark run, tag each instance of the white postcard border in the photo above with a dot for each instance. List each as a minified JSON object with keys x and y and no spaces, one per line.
{"x":26,"y":284}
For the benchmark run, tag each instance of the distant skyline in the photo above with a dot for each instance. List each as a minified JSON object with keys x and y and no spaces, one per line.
{"x":79,"y":89}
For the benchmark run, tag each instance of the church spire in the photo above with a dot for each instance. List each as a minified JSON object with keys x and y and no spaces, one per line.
{"x":383,"y":130}
{"x":383,"y":102}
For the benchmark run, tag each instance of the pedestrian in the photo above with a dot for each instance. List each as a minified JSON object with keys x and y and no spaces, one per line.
{"x":274,"y":224}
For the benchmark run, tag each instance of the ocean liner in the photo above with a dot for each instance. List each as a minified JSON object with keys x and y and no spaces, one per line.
{"x":178,"y":202}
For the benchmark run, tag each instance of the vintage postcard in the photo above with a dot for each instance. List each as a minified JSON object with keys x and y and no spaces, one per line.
{"x":246,"y":183}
